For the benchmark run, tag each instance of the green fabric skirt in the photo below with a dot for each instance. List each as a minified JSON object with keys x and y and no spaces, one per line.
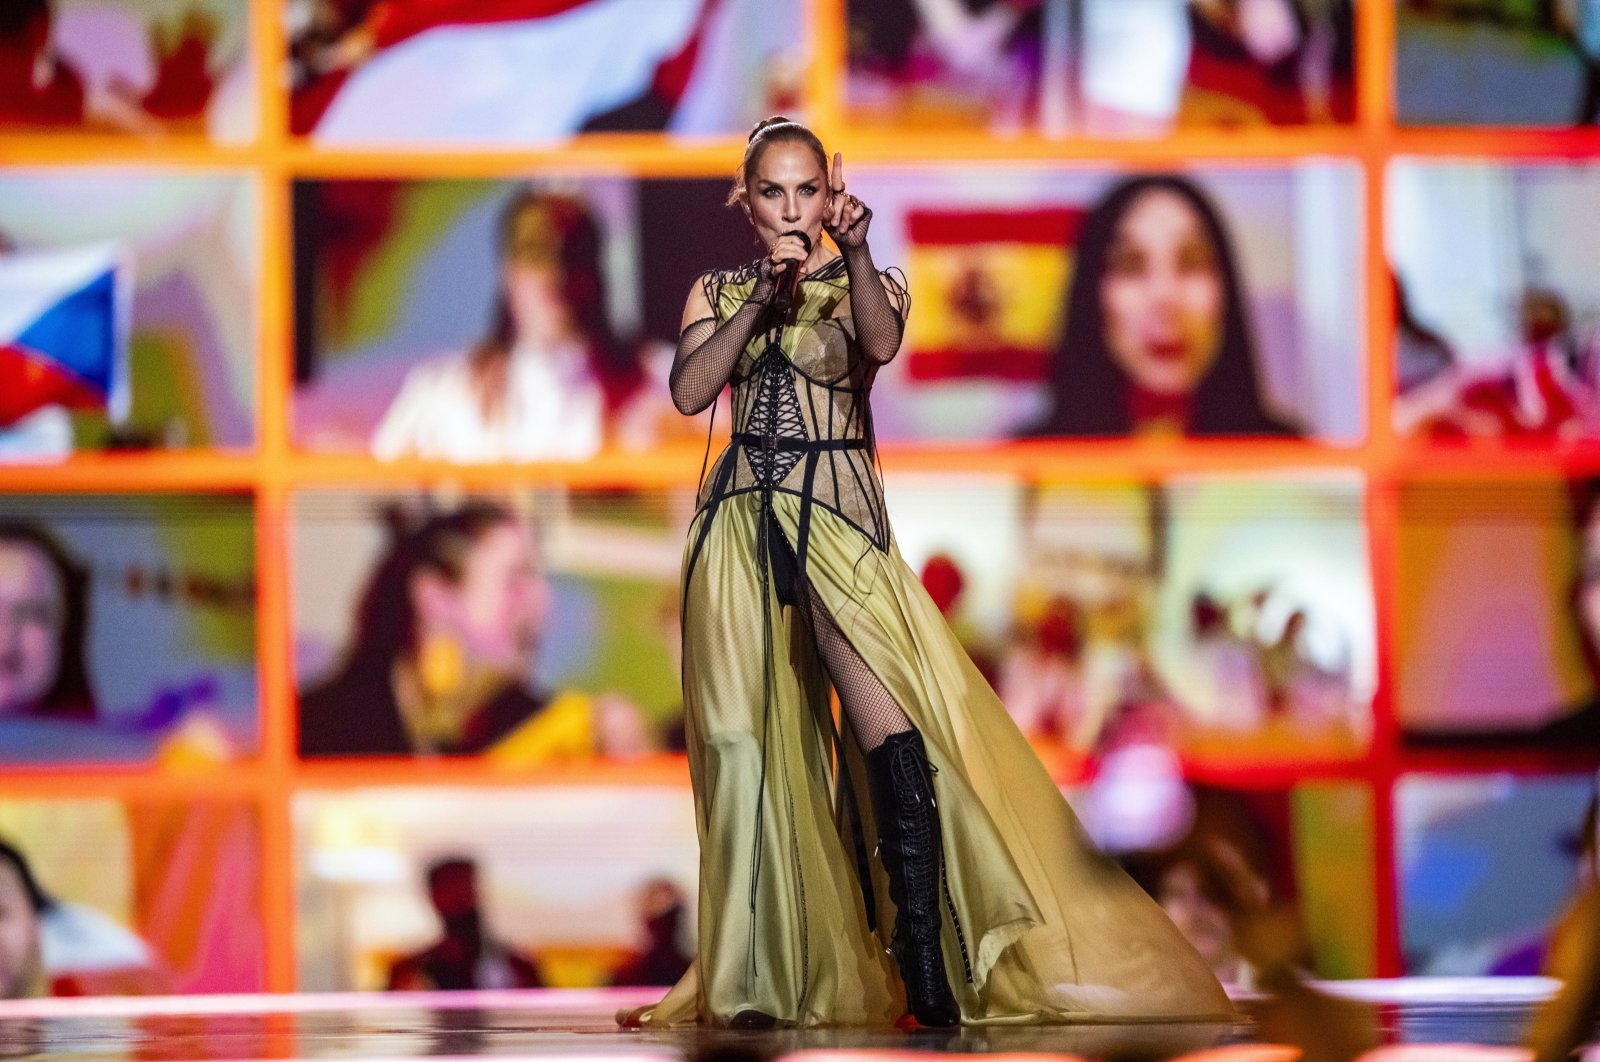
{"x":1038,"y":926}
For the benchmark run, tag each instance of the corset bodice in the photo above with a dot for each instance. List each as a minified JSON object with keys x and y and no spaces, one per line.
{"x":800,"y":389}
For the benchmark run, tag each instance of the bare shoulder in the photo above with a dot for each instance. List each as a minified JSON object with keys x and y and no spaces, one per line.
{"x":698,"y":307}
{"x":705,"y":295}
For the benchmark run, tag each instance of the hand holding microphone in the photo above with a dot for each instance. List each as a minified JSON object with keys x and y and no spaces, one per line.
{"x":792,"y":249}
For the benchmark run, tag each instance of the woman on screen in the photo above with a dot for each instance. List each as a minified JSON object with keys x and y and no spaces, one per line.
{"x":550,"y":380}
{"x":44,"y":623}
{"x":1157,"y":341}
{"x":794,"y":588}
{"x":445,"y":635}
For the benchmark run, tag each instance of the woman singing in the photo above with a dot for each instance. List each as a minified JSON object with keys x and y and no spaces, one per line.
{"x":948,"y":846}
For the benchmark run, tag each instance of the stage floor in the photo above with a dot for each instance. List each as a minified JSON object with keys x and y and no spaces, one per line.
{"x":580,"y":1025}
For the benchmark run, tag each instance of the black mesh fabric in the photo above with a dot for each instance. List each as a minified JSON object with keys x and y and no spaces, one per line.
{"x":879,"y":309}
{"x":873,"y":712}
{"x":830,"y":373}
{"x":801,"y":426}
{"x":709,"y":348}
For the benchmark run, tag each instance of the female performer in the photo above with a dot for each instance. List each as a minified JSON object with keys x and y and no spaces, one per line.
{"x":948,"y":845}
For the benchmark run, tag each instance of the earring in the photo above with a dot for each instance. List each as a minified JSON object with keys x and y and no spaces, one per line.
{"x":441,"y":665}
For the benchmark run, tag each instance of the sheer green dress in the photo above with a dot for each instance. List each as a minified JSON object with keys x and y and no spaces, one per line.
{"x":794,"y":914}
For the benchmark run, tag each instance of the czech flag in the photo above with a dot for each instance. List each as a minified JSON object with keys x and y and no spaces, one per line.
{"x":63,"y":331}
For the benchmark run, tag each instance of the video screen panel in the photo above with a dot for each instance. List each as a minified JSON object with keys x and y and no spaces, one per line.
{"x":529,"y":628}
{"x":1102,"y":68}
{"x":1497,"y":614}
{"x":134,"y":625}
{"x":1488,"y":865}
{"x":1496,"y":63}
{"x":1304,"y":850}
{"x":1496,"y":301}
{"x":431,"y":74}
{"x":567,"y":884}
{"x":157,"y":70}
{"x":129,"y":310}
{"x":140,"y":896}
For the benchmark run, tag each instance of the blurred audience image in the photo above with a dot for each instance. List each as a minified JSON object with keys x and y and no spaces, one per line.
{"x":1571,"y":594}
{"x":99,"y":660}
{"x":1041,"y":679}
{"x":462,"y":70}
{"x":1517,"y":364}
{"x":1534,"y":62}
{"x":22,"y":905}
{"x":1101,"y":67}
{"x":467,"y":955}
{"x":37,"y":88}
{"x":134,"y":69}
{"x":662,"y":959}
{"x":50,"y":946}
{"x":1539,"y":393}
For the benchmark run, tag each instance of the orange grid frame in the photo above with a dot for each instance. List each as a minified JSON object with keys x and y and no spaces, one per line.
{"x":275,"y":469}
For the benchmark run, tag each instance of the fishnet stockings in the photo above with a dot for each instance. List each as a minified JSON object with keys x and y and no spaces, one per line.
{"x":873,"y":712}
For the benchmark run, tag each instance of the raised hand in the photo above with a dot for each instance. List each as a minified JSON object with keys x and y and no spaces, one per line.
{"x":846,"y":217}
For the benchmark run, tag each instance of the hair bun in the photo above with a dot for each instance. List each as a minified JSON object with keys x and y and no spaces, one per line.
{"x":767,"y":123}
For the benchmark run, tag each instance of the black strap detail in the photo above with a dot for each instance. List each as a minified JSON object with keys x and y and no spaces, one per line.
{"x":792,"y":445}
{"x":719,"y":486}
{"x":846,"y":792}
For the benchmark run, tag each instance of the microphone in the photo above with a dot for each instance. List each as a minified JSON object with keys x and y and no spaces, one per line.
{"x":783,"y":298}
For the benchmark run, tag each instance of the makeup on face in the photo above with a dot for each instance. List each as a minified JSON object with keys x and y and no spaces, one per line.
{"x":786,"y":191}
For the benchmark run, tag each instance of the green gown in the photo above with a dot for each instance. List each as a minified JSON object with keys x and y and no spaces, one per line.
{"x":1037,"y":926}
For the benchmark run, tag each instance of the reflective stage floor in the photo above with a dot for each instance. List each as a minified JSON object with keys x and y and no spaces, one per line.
{"x":580,"y":1025}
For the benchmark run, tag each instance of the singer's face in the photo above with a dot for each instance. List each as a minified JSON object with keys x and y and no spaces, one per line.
{"x":787,"y":190}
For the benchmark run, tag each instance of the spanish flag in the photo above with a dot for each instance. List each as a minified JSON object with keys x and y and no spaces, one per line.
{"x":989,"y":287}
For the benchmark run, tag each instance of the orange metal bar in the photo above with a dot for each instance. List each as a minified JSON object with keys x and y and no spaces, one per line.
{"x":273,"y":469}
{"x":1376,"y":111}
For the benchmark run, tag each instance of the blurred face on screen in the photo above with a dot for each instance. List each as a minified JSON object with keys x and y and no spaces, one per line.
{"x":787,"y":190}
{"x":533,"y":277}
{"x":32,"y":610}
{"x":1162,"y":295}
{"x":19,"y":934}
{"x":497,"y":609}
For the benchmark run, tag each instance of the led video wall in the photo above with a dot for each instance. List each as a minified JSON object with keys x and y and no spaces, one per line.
{"x":1248,"y":409}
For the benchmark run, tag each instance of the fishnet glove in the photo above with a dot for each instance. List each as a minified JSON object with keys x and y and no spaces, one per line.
{"x":708,"y":352}
{"x":879,"y":317}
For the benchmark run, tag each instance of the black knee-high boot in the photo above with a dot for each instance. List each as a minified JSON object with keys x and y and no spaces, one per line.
{"x":910,"y":845}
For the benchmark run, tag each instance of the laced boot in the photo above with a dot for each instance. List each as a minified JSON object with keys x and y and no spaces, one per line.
{"x":909,"y":843}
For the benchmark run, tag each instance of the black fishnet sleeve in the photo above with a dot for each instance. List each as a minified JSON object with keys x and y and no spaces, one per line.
{"x":880,"y":316}
{"x":708,"y":351}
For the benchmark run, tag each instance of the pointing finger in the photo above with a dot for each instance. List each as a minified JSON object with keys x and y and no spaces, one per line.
{"x":838,"y":172}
